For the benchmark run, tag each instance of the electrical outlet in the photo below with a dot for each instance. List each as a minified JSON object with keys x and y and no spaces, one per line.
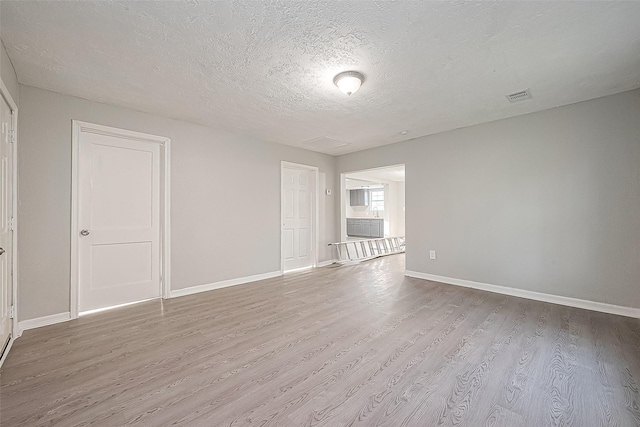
{"x":432,"y":254}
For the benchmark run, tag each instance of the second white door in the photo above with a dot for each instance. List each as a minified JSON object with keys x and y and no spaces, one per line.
{"x":6,"y":233}
{"x":118,"y":220}
{"x":297,"y":218}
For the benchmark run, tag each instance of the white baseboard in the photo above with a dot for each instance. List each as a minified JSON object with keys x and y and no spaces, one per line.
{"x":326,"y":263}
{"x":538,"y":296}
{"x":42,"y":321}
{"x":223,"y":284}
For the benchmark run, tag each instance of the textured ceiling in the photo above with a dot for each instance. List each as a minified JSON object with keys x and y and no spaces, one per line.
{"x":265,"y":69}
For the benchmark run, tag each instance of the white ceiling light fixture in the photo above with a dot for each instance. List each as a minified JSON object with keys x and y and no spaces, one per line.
{"x":349,"y":81}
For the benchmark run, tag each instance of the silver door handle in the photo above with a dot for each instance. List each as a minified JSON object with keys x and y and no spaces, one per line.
{"x":85,"y":232}
{"x":1,"y":251}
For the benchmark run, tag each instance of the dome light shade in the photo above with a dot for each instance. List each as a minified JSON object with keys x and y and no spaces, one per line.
{"x":349,"y":81}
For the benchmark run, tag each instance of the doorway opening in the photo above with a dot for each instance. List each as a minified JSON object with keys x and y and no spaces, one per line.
{"x":120,"y":246}
{"x":299,"y":217}
{"x":372,"y":203}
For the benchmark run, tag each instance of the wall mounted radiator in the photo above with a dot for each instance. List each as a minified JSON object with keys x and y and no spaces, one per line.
{"x":360,"y":250}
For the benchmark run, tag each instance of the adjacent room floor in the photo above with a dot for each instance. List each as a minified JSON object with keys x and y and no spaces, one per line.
{"x":336,"y":346}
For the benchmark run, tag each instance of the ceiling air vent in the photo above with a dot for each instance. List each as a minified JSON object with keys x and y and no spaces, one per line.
{"x":324,"y":144}
{"x":519,"y":96}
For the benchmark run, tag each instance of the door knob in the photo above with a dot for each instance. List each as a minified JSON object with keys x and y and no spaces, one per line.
{"x":85,"y":232}
{"x":1,"y":251}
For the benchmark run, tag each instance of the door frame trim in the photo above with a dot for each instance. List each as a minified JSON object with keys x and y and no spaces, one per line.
{"x":343,"y":194}
{"x":315,"y":209}
{"x":165,"y":202}
{"x":15,"y":332}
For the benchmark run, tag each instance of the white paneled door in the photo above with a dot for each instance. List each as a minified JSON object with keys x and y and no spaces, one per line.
{"x":118,"y":220}
{"x":6,"y":234}
{"x":297,"y":218}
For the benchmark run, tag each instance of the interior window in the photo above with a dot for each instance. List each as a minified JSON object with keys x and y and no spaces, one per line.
{"x":376,"y":200}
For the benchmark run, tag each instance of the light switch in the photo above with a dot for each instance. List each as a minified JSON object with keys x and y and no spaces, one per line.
{"x":327,"y":192}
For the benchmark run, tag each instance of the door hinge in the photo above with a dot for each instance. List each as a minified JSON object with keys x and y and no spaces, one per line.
{"x":11,"y":221}
{"x":12,"y":312}
{"x":12,"y":136}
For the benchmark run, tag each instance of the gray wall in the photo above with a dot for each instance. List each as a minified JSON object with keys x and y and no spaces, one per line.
{"x":547,"y":202}
{"x":225,"y":192}
{"x":8,"y":74}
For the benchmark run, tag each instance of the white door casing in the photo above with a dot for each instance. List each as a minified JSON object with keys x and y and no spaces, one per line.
{"x":120,"y":223}
{"x":6,"y":213}
{"x":298,"y":216}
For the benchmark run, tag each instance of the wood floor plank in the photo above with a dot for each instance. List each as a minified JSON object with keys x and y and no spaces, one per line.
{"x":358,"y":345}
{"x":404,"y":370}
{"x":309,"y":383}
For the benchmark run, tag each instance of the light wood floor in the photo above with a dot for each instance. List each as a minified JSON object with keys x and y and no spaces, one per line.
{"x":338,"y":346}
